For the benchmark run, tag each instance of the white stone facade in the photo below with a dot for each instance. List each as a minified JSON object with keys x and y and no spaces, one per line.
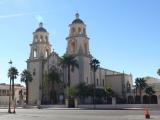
{"x":42,"y":59}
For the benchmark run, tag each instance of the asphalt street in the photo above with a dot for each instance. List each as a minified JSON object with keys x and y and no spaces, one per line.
{"x":70,"y":114}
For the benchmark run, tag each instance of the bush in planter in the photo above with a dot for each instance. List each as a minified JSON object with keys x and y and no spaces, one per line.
{"x":72,"y":93}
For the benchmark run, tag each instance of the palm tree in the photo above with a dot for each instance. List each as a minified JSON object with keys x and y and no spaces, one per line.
{"x":158,"y":72}
{"x":26,"y":77}
{"x":150,"y":91}
{"x":140,"y":85}
{"x":68,"y":62}
{"x":94,"y":63}
{"x":12,"y":74}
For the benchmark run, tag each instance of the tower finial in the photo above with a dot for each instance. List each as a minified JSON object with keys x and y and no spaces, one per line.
{"x":77,"y":15}
{"x":40,"y":24}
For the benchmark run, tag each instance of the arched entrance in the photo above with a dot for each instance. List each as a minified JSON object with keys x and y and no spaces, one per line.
{"x":130,"y":100}
{"x":146,"y":99}
{"x":137,"y":99}
{"x":154,"y":99}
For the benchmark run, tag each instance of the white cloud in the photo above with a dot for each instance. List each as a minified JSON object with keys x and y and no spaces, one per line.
{"x":38,"y":17}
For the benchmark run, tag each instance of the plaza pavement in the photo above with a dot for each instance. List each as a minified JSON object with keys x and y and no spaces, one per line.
{"x":76,"y":114}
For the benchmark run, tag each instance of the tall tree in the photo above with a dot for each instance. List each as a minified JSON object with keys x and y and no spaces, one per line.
{"x":12,"y":74}
{"x":26,"y":77}
{"x":158,"y":72}
{"x":140,"y":85}
{"x":69,"y":62}
{"x":94,"y":63}
{"x":149,"y":91}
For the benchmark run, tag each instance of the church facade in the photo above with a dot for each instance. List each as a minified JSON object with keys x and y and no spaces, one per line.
{"x":42,"y":60}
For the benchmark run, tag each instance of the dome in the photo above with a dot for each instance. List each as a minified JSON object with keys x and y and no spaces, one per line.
{"x":41,"y":29}
{"x":77,"y":20}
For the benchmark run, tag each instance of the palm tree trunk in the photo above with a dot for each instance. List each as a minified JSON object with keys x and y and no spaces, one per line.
{"x":12,"y":89}
{"x":26,"y":92}
{"x":140,"y":93}
{"x":9,"y":107}
{"x":68,"y":84}
{"x":52,"y":89}
{"x":94,"y":90}
{"x":69,"y":76}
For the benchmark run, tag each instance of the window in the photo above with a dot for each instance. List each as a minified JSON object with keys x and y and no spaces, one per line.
{"x":36,"y":38}
{"x":34,"y":71}
{"x":35,"y":53}
{"x":79,"y":30}
{"x":97,"y":81}
{"x":46,"y":38}
{"x":84,"y":31}
{"x":46,"y":54}
{"x":7,"y":92}
{"x":103,"y":82}
{"x":85,"y":47}
{"x":73,"y":30}
{"x":72,"y":46}
{"x":4,"y":92}
{"x":128,"y":87}
{"x":41,"y":38}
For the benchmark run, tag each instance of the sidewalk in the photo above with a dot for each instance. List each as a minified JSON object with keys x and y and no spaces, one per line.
{"x":84,"y":107}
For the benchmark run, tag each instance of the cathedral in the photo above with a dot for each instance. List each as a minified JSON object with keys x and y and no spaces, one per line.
{"x":42,"y":60}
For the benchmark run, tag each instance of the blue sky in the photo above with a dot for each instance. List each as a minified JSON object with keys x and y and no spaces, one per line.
{"x":124,"y":34}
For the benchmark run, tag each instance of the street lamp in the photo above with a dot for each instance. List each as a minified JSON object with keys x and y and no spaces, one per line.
{"x":9,"y":107}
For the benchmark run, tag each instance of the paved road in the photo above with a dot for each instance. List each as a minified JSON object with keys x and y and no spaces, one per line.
{"x":53,"y":114}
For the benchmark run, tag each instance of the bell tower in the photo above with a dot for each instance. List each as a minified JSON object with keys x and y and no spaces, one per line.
{"x":78,"y":45}
{"x":40,"y":49}
{"x":77,"y":39}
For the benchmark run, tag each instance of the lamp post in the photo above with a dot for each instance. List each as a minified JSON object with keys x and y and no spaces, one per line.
{"x":9,"y":106}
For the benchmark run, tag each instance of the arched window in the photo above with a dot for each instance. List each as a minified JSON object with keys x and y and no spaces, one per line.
{"x":73,"y":30}
{"x":85,"y":47}
{"x":41,"y":38}
{"x":46,"y":38}
{"x":47,"y":53}
{"x":97,"y":81}
{"x":103,"y":82}
{"x":128,"y":87}
{"x":79,"y":30}
{"x":35,"y":53}
{"x":84,"y":31}
{"x":34,"y":71}
{"x":72,"y":46}
{"x":36,"y":38}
